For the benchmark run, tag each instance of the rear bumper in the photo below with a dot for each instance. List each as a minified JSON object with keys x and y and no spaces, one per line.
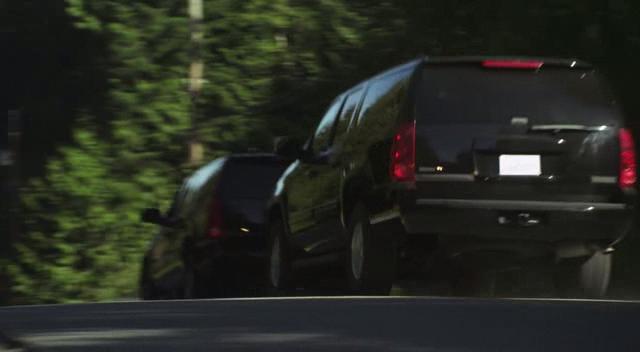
{"x":235,"y":247}
{"x":517,"y":205}
{"x":500,"y":219}
{"x":235,"y":257}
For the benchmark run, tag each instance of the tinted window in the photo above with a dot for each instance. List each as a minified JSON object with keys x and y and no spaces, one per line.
{"x":455,"y":94}
{"x":200,"y":178}
{"x":384,"y":95}
{"x":348,"y":110}
{"x":324,"y":132}
{"x":250,"y":179}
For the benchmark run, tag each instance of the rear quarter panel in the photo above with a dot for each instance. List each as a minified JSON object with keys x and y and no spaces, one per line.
{"x":388,"y":102}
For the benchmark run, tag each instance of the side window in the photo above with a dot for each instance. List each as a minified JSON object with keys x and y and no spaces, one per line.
{"x":384,"y":97}
{"x":350,"y":106}
{"x":322,"y":138}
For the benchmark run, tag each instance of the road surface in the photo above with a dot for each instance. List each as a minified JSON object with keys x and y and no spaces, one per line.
{"x":322,"y":324}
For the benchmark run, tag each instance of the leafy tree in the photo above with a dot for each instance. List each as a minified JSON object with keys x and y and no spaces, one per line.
{"x":83,"y":238}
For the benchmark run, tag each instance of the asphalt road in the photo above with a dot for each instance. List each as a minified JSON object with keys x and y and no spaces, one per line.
{"x":321,"y":324}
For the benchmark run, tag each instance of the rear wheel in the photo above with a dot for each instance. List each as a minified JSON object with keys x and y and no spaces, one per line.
{"x":203,"y":284}
{"x":191,"y":288}
{"x":370,"y":263}
{"x":147,"y":289}
{"x":279,"y":276}
{"x":474,"y":282}
{"x":585,"y":277}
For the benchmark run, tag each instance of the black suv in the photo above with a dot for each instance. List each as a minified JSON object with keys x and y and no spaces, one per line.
{"x":212,"y":240}
{"x":465,"y":155}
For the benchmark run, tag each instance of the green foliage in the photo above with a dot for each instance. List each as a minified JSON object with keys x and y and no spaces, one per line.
{"x":83,"y":239}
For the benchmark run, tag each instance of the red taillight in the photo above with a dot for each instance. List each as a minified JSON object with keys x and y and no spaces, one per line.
{"x":403,"y":154}
{"x":215,"y":219}
{"x":513,"y":64}
{"x":627,"y":159}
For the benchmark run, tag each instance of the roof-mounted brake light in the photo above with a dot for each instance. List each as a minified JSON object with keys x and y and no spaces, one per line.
{"x":513,"y":64}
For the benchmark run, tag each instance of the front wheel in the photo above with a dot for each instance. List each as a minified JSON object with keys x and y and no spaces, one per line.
{"x":370,"y":263}
{"x":586,"y":277}
{"x":279,"y":276}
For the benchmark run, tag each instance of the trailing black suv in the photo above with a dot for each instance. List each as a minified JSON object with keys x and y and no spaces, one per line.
{"x":212,"y":239}
{"x":466,"y":155}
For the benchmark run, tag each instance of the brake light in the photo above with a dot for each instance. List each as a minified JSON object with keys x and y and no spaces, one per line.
{"x":513,"y":64}
{"x":403,"y":154}
{"x":215,"y":219}
{"x":627,"y":159}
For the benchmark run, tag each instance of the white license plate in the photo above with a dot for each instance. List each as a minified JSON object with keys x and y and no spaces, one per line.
{"x":520,"y":165}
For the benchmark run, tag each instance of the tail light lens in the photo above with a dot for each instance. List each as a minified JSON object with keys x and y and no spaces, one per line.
{"x":403,"y":154}
{"x":513,"y":64}
{"x":215,"y":219}
{"x":627,"y":159}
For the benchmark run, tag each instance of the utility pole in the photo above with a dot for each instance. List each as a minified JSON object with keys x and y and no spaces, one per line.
{"x":196,"y":71}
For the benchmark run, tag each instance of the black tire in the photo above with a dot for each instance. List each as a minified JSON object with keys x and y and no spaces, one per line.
{"x":190,"y":284}
{"x":473,"y":282}
{"x":146,"y":290}
{"x":202,"y":285}
{"x":371,"y":257}
{"x":279,"y":276}
{"x":585,"y":277}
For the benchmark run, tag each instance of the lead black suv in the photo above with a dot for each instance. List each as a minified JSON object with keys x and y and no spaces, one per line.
{"x":528,"y":157}
{"x":212,"y":239}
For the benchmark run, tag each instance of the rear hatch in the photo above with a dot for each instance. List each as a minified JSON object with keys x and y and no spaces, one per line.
{"x":503,"y":131}
{"x":246,"y":185}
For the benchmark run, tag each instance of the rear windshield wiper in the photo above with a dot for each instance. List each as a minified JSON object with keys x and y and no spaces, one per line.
{"x":568,"y":128}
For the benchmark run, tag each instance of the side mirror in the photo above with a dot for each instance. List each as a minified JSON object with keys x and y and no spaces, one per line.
{"x":287,"y":147}
{"x":152,"y":216}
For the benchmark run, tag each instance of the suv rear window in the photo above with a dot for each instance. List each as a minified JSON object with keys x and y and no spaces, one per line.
{"x":249,"y":179}
{"x":552,"y":95}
